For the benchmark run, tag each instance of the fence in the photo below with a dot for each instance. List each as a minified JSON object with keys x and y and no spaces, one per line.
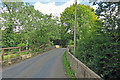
{"x":22,"y":52}
{"x":81,"y":70}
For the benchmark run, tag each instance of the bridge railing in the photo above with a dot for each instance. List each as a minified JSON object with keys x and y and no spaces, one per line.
{"x":18,"y":53}
{"x":81,"y":70}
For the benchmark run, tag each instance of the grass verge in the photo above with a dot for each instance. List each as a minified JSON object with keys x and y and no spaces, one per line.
{"x":7,"y":57}
{"x":68,"y":71}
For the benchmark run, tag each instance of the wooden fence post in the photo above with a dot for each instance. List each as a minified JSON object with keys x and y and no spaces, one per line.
{"x":27,"y":45}
{"x":19,"y":51}
{"x":30,"y":51}
{"x":2,"y":56}
{"x":33,"y":50}
{"x":38,"y":49}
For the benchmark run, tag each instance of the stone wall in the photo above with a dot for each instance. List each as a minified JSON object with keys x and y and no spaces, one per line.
{"x":81,"y":70}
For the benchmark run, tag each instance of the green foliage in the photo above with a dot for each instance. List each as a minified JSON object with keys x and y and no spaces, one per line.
{"x":25,"y":26}
{"x":21,"y":44}
{"x":24,"y":53}
{"x":24,"y":23}
{"x":69,"y":72}
{"x":86,"y":20}
{"x":101,"y":54}
{"x":98,"y":47}
{"x":97,"y":42}
{"x":7,"y":57}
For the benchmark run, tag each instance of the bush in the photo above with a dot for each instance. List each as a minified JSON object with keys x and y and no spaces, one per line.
{"x":101,"y":54}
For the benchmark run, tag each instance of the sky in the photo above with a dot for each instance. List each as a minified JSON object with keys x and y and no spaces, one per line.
{"x":54,"y":6}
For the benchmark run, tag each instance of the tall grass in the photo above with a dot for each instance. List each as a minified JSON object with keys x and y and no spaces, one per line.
{"x":68,"y":70}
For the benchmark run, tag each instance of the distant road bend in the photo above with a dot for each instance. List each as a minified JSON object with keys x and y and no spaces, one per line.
{"x":46,"y":65}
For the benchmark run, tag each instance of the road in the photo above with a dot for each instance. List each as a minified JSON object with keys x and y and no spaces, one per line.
{"x":46,"y":65}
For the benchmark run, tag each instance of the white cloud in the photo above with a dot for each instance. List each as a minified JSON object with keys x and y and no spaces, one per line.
{"x":52,"y":8}
{"x":95,"y":7}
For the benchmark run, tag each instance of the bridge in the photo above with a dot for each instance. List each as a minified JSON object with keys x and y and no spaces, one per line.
{"x":49,"y":64}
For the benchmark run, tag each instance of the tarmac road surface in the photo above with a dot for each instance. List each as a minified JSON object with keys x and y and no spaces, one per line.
{"x":46,"y":65}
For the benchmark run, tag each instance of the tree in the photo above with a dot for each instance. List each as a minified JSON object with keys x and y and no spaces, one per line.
{"x":86,"y":19}
{"x":98,"y":40}
{"x":10,"y":19}
{"x":28,"y":24}
{"x":110,"y":40}
{"x":9,"y":23}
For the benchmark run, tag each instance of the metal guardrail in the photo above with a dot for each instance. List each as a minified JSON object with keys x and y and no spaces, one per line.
{"x":81,"y":70}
